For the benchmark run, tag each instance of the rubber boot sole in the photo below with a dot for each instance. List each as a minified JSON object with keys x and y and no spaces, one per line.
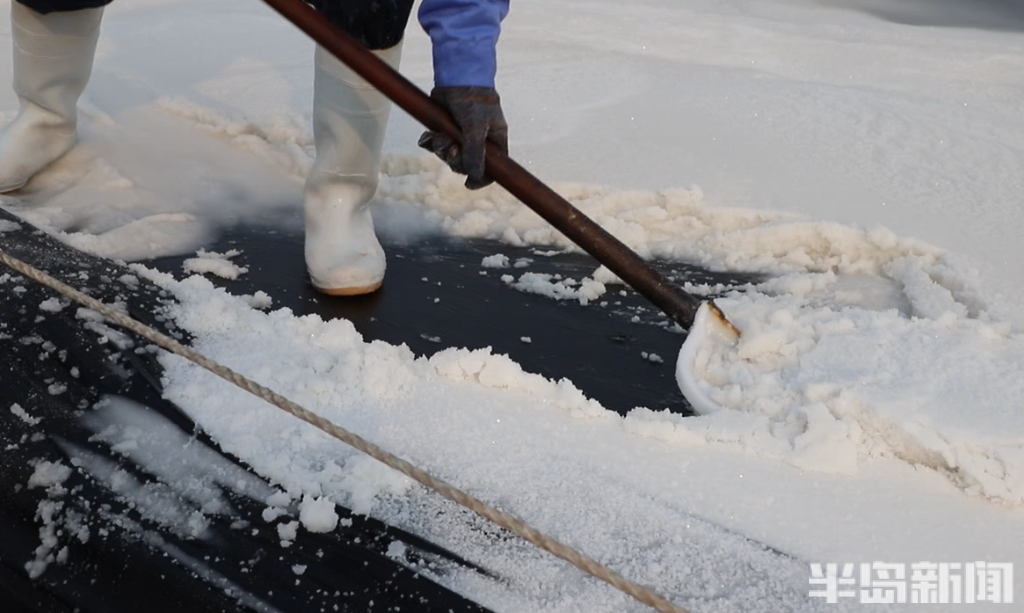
{"x":350,"y":291}
{"x":12,"y":188}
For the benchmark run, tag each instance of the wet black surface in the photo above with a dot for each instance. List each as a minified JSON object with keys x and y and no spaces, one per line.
{"x":57,"y":369}
{"x":435,"y":296}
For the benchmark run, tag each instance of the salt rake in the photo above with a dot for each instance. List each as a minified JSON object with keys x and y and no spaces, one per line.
{"x":703,"y":319}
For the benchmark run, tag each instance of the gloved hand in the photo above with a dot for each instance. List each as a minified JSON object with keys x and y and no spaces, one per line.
{"x":477,"y":111}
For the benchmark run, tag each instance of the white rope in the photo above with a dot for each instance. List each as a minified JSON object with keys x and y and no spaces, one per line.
{"x":549,"y":544}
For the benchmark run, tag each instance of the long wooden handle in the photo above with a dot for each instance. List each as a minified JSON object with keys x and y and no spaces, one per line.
{"x":580,"y":229}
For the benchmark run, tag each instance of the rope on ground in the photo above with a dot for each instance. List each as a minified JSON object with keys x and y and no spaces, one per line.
{"x":547,"y":543}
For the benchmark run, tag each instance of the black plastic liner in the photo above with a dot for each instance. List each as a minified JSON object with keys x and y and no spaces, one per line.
{"x":58,"y":367}
{"x":436,"y":294}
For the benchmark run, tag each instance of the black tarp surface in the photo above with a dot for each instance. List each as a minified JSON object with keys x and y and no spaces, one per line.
{"x":62,"y":368}
{"x":101,"y":552}
{"x":437,"y":295}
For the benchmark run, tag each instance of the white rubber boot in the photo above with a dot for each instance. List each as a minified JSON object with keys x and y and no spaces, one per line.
{"x":343,"y":255}
{"x":53,"y":57}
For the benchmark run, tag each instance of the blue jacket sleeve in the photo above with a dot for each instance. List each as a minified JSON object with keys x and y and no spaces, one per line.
{"x":464,"y":33}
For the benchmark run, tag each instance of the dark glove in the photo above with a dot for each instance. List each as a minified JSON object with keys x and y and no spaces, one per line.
{"x":477,"y":111}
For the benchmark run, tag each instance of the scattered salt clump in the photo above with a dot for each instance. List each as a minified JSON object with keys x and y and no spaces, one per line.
{"x":219,"y":264}
{"x":497,"y":260}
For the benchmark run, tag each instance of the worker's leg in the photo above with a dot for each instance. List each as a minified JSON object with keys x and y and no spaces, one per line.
{"x":343,"y":255}
{"x":53,"y":54}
